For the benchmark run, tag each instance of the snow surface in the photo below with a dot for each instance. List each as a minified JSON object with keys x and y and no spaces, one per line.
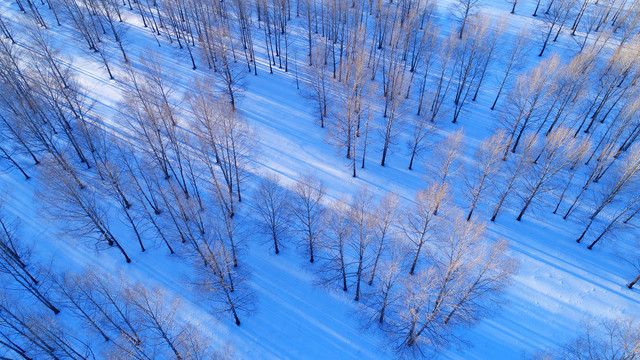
{"x":559,"y":283}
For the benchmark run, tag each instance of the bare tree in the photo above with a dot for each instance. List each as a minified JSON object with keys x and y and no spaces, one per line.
{"x":86,"y":21}
{"x":421,"y":40}
{"x":243,"y":10}
{"x":514,"y":172}
{"x":364,"y":232}
{"x":235,"y":146}
{"x":11,"y":131}
{"x":583,"y":7}
{"x":230,"y":231}
{"x":84,"y":213}
{"x":101,"y":300}
{"x":6,"y":28}
{"x":488,"y":48}
{"x":396,"y":87}
{"x":594,"y":18}
{"x":219,"y":282}
{"x":109,"y":10}
{"x":387,"y":294}
{"x":633,"y":282}
{"x":318,"y":84}
{"x":619,"y":219}
{"x":526,"y":100}
{"x":7,"y":154}
{"x":151,"y":120}
{"x":615,"y":338}
{"x":605,"y":161}
{"x":421,"y":128}
{"x":386,"y":219}
{"x":513,"y":61}
{"x":624,"y":181}
{"x":489,"y":274}
{"x":351,"y":100}
{"x":273,"y":204}
{"x":156,"y":94}
{"x":340,"y":230}
{"x":481,"y":177}
{"x":571,"y":84}
{"x":229,"y":72}
{"x":456,"y":287}
{"x":430,"y":50}
{"x":473,"y":51}
{"x":38,"y":102}
{"x":395,"y":82}
{"x":196,"y":346}
{"x":446,"y":57}
{"x":116,"y":185}
{"x":145,"y":182}
{"x":554,"y":18}
{"x":535,"y":12}
{"x":17,"y":266}
{"x":175,"y":18}
{"x":513,"y":3}
{"x":156,"y":315}
{"x":224,"y":141}
{"x":30,"y":333}
{"x":445,"y":163}
{"x":216,"y":278}
{"x":70,"y":294}
{"x":420,"y":223}
{"x":559,"y":151}
{"x":308,"y":211}
{"x":462,"y":11}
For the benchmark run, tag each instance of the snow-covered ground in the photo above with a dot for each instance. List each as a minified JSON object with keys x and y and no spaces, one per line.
{"x":558,"y":285}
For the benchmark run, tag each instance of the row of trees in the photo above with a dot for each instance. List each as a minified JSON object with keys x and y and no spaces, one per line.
{"x":120,"y":319}
{"x":541,"y":98}
{"x":453,"y":69}
{"x":602,"y":339}
{"x":176,"y":188}
{"x":418,"y":271}
{"x":406,"y":43}
{"x":552,"y":114}
{"x":167,"y":186}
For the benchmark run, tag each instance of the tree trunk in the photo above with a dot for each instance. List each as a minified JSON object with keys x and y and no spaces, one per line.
{"x":585,"y":231}
{"x":546,"y":41}
{"x":358,"y":278}
{"x":415,"y":259}
{"x":535,"y":12}
{"x":526,"y":204}
{"x":275,"y":243}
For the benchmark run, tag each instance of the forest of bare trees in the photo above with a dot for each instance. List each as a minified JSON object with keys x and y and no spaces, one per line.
{"x":176,"y":166}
